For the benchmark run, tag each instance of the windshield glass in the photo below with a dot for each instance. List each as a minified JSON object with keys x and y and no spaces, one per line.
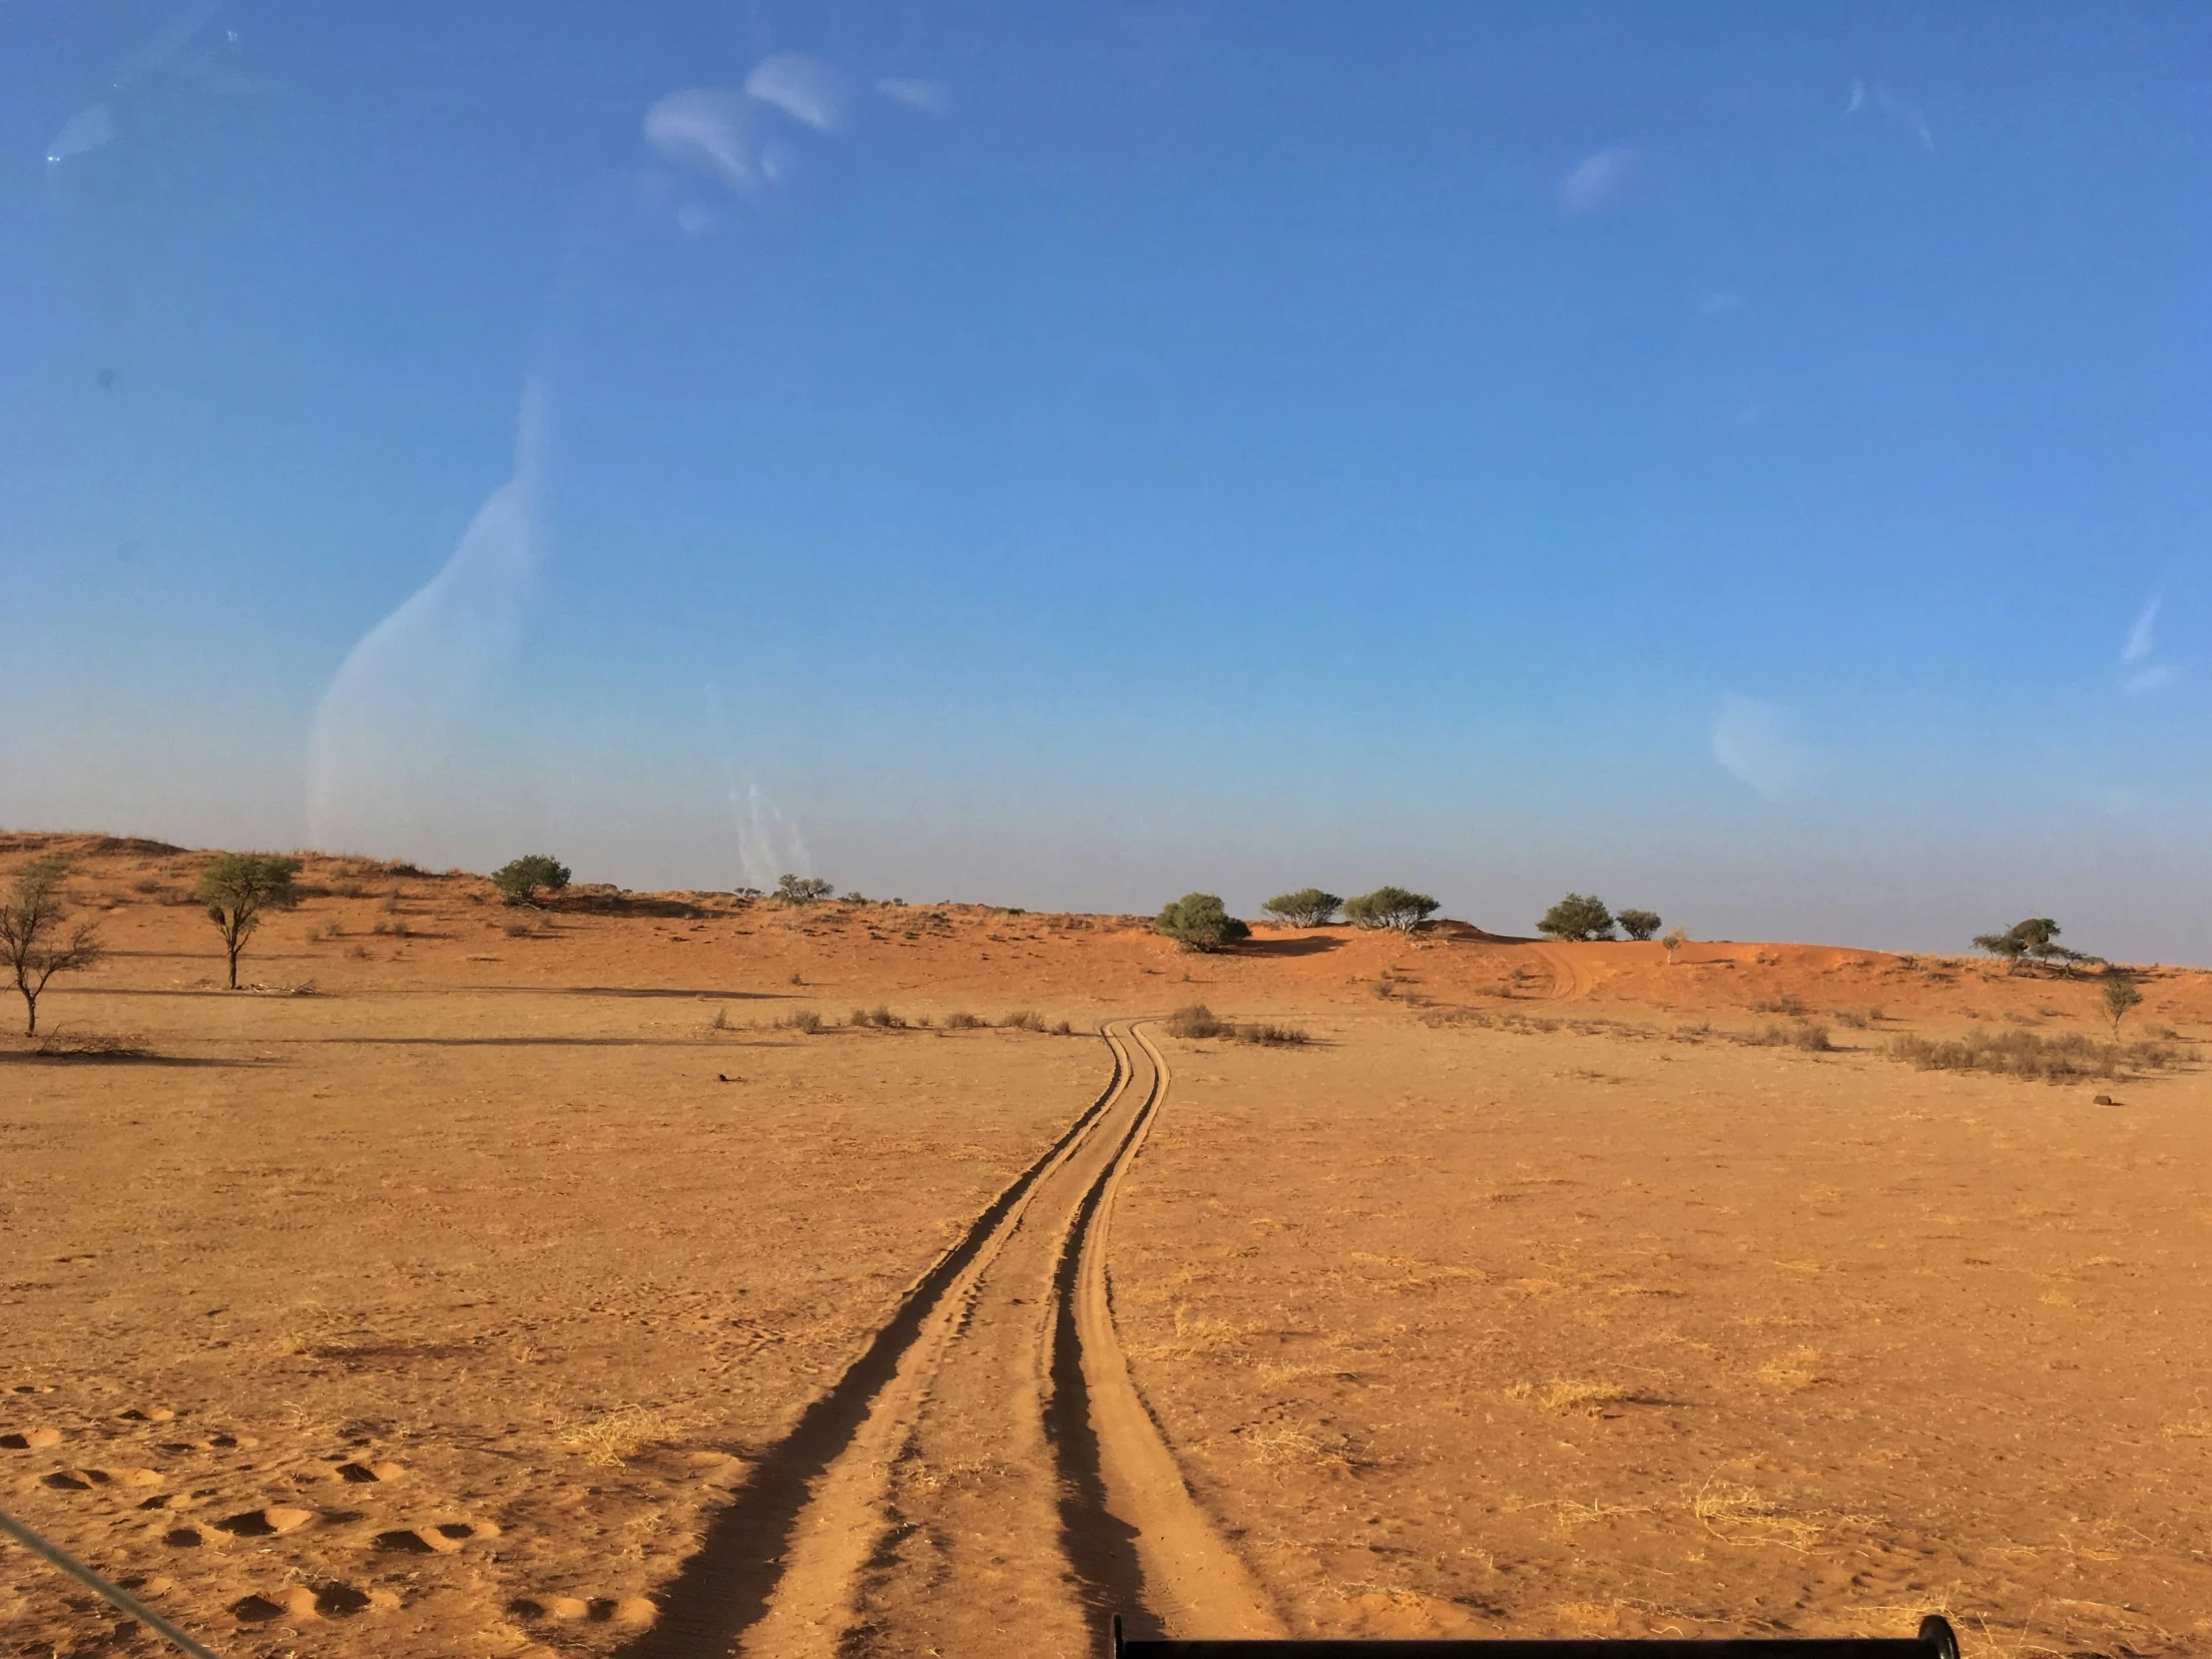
{"x":669,"y":664}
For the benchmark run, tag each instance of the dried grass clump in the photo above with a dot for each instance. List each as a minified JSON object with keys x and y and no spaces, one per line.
{"x":2024,"y":1054}
{"x":1571,"y":1395}
{"x":1805,"y":1035}
{"x":962,"y":1021}
{"x":1199,"y":1021}
{"x":612,"y":1438}
{"x":802,"y":1020}
{"x":878,"y":1016}
{"x":1023,"y":1019}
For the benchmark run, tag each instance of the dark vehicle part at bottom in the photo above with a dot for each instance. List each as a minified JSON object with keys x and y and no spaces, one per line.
{"x":1935,"y":1641}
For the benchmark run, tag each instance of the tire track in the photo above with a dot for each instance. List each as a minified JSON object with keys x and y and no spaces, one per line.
{"x":985,"y":1479}
{"x":1193,"y":1583}
{"x":723,"y":1590}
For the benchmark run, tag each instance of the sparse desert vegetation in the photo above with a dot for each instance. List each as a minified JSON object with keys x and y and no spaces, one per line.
{"x":1588,"y":1272}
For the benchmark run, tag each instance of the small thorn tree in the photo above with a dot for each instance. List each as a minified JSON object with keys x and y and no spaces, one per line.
{"x":1638,"y":924}
{"x":34,"y":937}
{"x":1673,"y":942}
{"x":1200,"y":921}
{"x":1391,"y":908}
{"x":2120,"y":995}
{"x":802,"y":889}
{"x":1306,"y":907}
{"x":239,"y":890}
{"x":521,"y":882}
{"x":1578,"y":916}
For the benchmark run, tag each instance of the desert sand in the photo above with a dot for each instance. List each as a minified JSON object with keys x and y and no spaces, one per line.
{"x":494,"y":1282}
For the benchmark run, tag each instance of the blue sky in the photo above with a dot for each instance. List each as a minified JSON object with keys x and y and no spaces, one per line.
{"x":1744,"y":460}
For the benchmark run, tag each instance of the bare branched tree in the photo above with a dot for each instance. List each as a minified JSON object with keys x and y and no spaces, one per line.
{"x":35,"y":939}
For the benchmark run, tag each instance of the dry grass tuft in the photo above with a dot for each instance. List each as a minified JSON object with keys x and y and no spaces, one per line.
{"x":1582,"y":1397}
{"x":2024,"y":1054}
{"x":1735,"y":1514}
{"x":612,"y":1438}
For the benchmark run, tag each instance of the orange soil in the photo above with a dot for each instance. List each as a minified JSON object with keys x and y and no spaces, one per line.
{"x":1520,"y":1302}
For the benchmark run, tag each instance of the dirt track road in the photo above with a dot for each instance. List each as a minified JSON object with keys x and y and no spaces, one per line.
{"x":985,"y":1479}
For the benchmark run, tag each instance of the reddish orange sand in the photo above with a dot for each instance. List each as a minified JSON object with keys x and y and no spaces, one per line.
{"x":439,"y":1308}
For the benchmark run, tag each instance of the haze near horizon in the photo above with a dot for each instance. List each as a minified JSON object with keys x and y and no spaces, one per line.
{"x":1742,"y":462}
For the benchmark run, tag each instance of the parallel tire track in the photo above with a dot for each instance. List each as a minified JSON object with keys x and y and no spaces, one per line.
{"x":723,"y":1590}
{"x":985,"y":1478}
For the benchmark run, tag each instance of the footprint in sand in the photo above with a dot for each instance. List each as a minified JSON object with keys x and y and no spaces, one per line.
{"x":147,"y":1413}
{"x":633,"y":1611}
{"x":267,"y":1523}
{"x":84,"y":1480}
{"x":172,"y":1500}
{"x":440,"y":1538}
{"x":310,"y":1601}
{"x":32,"y":1440}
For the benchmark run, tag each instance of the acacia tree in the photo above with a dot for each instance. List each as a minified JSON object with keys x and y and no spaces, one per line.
{"x":239,"y":890}
{"x":1391,"y":908}
{"x":1578,"y":916}
{"x":1673,"y":942}
{"x":519,"y":881}
{"x":1638,"y":924}
{"x":2035,"y":939}
{"x":1306,"y":907}
{"x":802,"y":889}
{"x":32,"y":936}
{"x":1200,"y":921}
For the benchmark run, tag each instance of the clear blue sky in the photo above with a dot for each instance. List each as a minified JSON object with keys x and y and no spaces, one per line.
{"x":1750,"y":462}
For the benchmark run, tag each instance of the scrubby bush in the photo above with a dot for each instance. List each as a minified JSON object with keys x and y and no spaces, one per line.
{"x":1197,"y":1020}
{"x":2024,"y":1054}
{"x":804,"y":1021}
{"x":1578,"y":916}
{"x":2119,"y":995}
{"x":1396,"y":908}
{"x":962,"y":1020}
{"x":1200,"y":921}
{"x":1022,"y":1019}
{"x":1638,"y":924}
{"x":802,"y":889}
{"x":239,"y":890}
{"x":521,"y":881}
{"x":1306,"y":907}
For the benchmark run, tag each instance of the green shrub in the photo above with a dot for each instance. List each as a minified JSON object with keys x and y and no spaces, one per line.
{"x":1639,"y":925}
{"x":1577,"y":916}
{"x":521,"y":881}
{"x":239,"y":890}
{"x":1390,"y":908}
{"x":1306,"y":907}
{"x":1200,"y":921}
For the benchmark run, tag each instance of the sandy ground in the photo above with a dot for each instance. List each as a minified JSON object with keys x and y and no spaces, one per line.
{"x":488,"y":1283}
